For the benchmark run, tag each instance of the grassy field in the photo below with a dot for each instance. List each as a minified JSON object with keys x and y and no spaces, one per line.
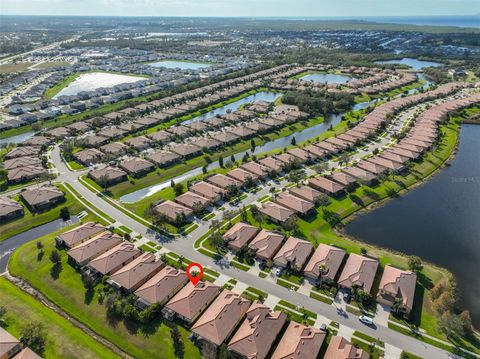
{"x":21,"y":66}
{"x":31,"y":220}
{"x":52,"y":91}
{"x":64,"y":340}
{"x":65,"y":289}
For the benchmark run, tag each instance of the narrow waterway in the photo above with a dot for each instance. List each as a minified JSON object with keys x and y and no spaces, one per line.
{"x":438,"y":221}
{"x":16,"y":139}
{"x":10,"y":244}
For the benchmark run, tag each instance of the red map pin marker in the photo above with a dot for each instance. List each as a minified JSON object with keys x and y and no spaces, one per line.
{"x":194,"y":272}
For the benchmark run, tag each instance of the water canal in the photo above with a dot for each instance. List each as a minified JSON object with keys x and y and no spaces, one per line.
{"x":182,"y":65}
{"x":413,"y":63}
{"x":327,"y":78}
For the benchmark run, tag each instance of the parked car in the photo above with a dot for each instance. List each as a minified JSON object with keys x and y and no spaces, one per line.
{"x":366,"y":320}
{"x":278,"y":272}
{"x":347,"y":297}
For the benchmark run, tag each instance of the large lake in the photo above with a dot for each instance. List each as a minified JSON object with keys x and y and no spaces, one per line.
{"x":326,"y":78}
{"x":413,"y":63}
{"x":183,"y":65}
{"x":439,"y":221}
{"x":95,"y":80}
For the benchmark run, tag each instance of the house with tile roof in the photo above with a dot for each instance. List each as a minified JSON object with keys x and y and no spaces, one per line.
{"x":42,"y":198}
{"x":276,"y":212}
{"x":359,"y":271}
{"x":294,"y":253}
{"x":325,"y":262}
{"x":258,"y":332}
{"x":161,"y":287}
{"x":99,"y":244}
{"x":299,"y":342}
{"x":9,"y":209}
{"x":341,"y":348}
{"x":114,"y":259}
{"x":239,"y":235}
{"x":79,"y":234}
{"x":397,"y":284}
{"x":217,"y":323}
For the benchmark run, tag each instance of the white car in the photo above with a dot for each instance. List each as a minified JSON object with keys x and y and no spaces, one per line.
{"x":278,"y":272}
{"x":366,"y":320}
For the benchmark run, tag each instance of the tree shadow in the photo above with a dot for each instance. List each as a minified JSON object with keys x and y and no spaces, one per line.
{"x":40,"y":256}
{"x":89,"y":294}
{"x":56,"y":270}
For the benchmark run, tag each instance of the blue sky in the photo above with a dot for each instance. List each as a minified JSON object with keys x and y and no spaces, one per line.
{"x":270,"y":8}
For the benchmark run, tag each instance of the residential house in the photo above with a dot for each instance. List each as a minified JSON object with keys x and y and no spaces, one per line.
{"x":397,"y":285}
{"x":324,"y":263}
{"x":79,"y":234}
{"x":42,"y":198}
{"x":114,"y":259}
{"x":163,"y":158}
{"x":258,"y":332}
{"x":220,"y":319}
{"x":255,"y":168}
{"x":23,"y":151}
{"x":296,"y":204}
{"x":299,"y":342}
{"x":134,"y":274}
{"x":99,"y":244}
{"x":114,"y":148}
{"x":239,"y":235}
{"x":108,"y":175}
{"x":306,"y":193}
{"x":9,"y":345}
{"x":359,"y":271}
{"x":191,"y":301}
{"x":172,"y":211}
{"x":161,"y":287}
{"x":207,"y":190}
{"x":139,"y":143}
{"x":192,"y":200}
{"x":242,"y":176}
{"x":136,"y":166}
{"x":89,"y":156}
{"x":276,"y":212}
{"x":341,"y":348}
{"x":327,"y":186}
{"x":25,"y":173}
{"x":9,"y":209}
{"x":222,"y":181}
{"x":294,"y":253}
{"x":266,"y":244}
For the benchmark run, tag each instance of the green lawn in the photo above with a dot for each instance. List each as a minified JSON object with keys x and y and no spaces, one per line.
{"x":66,"y":290}
{"x":52,"y":91}
{"x":31,"y":220}
{"x":64,"y":340}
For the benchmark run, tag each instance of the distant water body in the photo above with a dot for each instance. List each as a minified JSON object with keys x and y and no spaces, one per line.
{"x":457,"y":21}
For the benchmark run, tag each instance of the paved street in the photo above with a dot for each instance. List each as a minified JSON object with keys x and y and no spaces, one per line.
{"x":183,"y":245}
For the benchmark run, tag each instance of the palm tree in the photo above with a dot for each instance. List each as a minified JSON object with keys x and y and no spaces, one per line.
{"x":273,"y":192}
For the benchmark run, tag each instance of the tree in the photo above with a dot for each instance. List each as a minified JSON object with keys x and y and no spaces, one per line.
{"x":33,"y":335}
{"x":178,"y":189}
{"x":204,"y":169}
{"x":209,"y":351}
{"x":294,"y":141}
{"x":103,"y":182}
{"x":3,"y":312}
{"x":291,"y":224}
{"x":232,"y":158}
{"x":415,"y":264}
{"x":273,"y":192}
{"x":216,"y":240}
{"x":172,"y":183}
{"x":178,"y":345}
{"x":297,"y":176}
{"x":55,"y":256}
{"x":445,"y":302}
{"x":320,"y":167}
{"x":466,"y":320}
{"x":220,"y":161}
{"x":450,"y":324}
{"x":437,"y":290}
{"x":223,"y":352}
{"x":64,"y":213}
{"x":39,"y":245}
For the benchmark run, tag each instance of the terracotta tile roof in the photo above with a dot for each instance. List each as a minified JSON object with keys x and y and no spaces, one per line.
{"x":160,"y":136}
{"x":271,"y":163}
{"x":329,"y":256}
{"x":89,"y":156}
{"x":258,"y":332}
{"x":23,"y":151}
{"x":242,"y":175}
{"x":191,"y":300}
{"x":297,"y":204}
{"x":111,"y":174}
{"x":27,"y":353}
{"x":359,"y":173}
{"x":221,"y":317}
{"x":137,"y":271}
{"x":7,"y":343}
{"x":295,"y":251}
{"x":359,"y":270}
{"x":113,"y":259}
{"x":81,"y":233}
{"x":276,"y":211}
{"x":95,"y":246}
{"x":299,"y":342}
{"x":139,"y":142}
{"x":136,"y":165}
{"x":41,"y":195}
{"x":266,"y":243}
{"x":340,"y":348}
{"x":255,"y":168}
{"x":114,"y":148}
{"x":374,"y":168}
{"x":25,"y":173}
{"x":286,"y":158}
{"x":190,"y":200}
{"x":207,"y":190}
{"x":302,"y":155}
{"x":185,"y":149}
{"x":305,"y":192}
{"x":326,"y":185}
{"x":342,"y":178}
{"x":162,"y":285}
{"x":397,"y":283}
{"x":171,"y":209}
{"x":239,"y":235}
{"x":223,"y":181}
{"x":162,"y":157}
{"x":21,"y":162}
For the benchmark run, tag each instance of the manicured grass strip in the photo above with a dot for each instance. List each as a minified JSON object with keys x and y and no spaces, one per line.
{"x":298,"y":309}
{"x":368,"y":338}
{"x":320,"y":298}
{"x":286,"y":284}
{"x":65,"y":289}
{"x":354,"y":310}
{"x":208,"y":217}
{"x":125,"y":229}
{"x":190,"y":229}
{"x":257,"y":292}
{"x":64,"y":340}
{"x":374,"y":352}
{"x":407,"y":355}
{"x":147,"y":248}
{"x":211,"y":272}
{"x":262,"y":275}
{"x":295,"y":316}
{"x":239,"y":266}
